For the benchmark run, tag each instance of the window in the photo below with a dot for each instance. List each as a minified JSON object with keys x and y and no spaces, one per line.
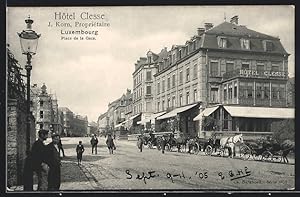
{"x":173,"y":81}
{"x":230,"y":91}
{"x":245,"y":43}
{"x":148,"y":90}
{"x":41,"y":103}
{"x":179,"y":54}
{"x":281,"y":91}
{"x":163,"y":86}
{"x":275,"y":67}
{"x":195,"y":95}
{"x":275,"y":91}
{"x":180,"y":77}
{"x":260,"y":67}
{"x":214,"y":95}
{"x":235,"y":90}
{"x":214,"y":68}
{"x":180,"y":100}
{"x":268,"y":45}
{"x":225,"y":93}
{"x":169,"y":83}
{"x":222,"y":42}
{"x":245,"y":65}
{"x":194,"y":45}
{"x":250,"y":90}
{"x":259,"y":91}
{"x":41,"y":114}
{"x":195,"y":71}
{"x":148,"y":106}
{"x":229,"y":66}
{"x":163,"y":105}
{"x":41,"y":125}
{"x":169,"y":103}
{"x":158,"y":88}
{"x":149,"y":76}
{"x":188,"y":74}
{"x":187,"y":98}
{"x":174,"y":58}
{"x":266,"y":90}
{"x":173,"y":101}
{"x":158,"y":106}
{"x":134,"y":83}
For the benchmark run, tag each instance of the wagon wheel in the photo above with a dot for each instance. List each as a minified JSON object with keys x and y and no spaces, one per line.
{"x":245,"y":152}
{"x":208,"y":150}
{"x":266,"y":156}
{"x":277,"y":157}
{"x":168,"y":147}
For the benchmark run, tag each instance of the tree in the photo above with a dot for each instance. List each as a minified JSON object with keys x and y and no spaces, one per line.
{"x":283,"y":130}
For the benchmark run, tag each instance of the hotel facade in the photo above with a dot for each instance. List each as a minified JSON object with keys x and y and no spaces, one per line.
{"x":234,"y":75}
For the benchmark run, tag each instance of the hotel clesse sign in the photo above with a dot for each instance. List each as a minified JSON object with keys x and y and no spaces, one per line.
{"x":262,"y":74}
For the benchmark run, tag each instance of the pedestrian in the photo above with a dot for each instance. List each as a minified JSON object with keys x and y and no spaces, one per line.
{"x":79,"y":151}
{"x":54,"y":179}
{"x":94,"y":143}
{"x":110,"y":144}
{"x":60,"y":147}
{"x":163,"y":144}
{"x":140,"y":143}
{"x":39,"y":163}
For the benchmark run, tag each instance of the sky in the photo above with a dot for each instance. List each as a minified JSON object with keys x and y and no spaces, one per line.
{"x":87,"y":74}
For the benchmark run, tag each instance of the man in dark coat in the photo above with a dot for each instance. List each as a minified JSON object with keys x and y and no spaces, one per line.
{"x":60,"y":147}
{"x":94,"y":143}
{"x":37,"y":162}
{"x":110,"y":144}
{"x":54,"y":164}
{"x":163,"y":144}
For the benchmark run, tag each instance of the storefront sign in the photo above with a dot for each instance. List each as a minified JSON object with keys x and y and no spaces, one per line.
{"x":262,"y":74}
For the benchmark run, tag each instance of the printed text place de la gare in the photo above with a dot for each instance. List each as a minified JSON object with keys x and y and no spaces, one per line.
{"x":82,"y":15}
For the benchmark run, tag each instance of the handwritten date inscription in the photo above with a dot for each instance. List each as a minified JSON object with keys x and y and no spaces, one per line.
{"x":200,"y":175}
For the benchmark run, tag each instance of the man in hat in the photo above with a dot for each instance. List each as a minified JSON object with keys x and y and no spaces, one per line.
{"x":54,"y":163}
{"x":40,"y":162}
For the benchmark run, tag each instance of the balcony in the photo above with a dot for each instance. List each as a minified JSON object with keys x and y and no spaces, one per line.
{"x":247,"y":73}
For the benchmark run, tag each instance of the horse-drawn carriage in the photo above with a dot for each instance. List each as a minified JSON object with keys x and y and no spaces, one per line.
{"x":267,"y":149}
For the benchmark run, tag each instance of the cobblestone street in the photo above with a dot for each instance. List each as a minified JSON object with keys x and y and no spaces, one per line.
{"x":129,"y":169}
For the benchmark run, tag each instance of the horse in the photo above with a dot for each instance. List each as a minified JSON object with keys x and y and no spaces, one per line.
{"x":229,"y":142}
{"x":286,"y":147}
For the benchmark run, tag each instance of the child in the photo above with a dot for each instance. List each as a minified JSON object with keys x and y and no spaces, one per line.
{"x":79,"y":150}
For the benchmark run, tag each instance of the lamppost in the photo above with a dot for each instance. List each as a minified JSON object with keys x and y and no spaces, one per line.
{"x":29,"y":42}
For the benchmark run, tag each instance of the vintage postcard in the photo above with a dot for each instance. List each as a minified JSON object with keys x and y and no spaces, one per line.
{"x":150,"y":98}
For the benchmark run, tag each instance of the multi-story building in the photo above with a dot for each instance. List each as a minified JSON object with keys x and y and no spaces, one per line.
{"x":246,"y":73}
{"x":79,"y":126}
{"x":45,"y":109}
{"x":68,"y":117}
{"x":103,"y":123}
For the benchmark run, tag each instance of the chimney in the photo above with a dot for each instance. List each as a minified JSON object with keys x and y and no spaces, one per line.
{"x":200,"y":31}
{"x":235,"y":20}
{"x":208,"y":26}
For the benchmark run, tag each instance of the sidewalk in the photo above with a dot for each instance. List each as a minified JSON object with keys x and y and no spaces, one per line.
{"x":72,"y":178}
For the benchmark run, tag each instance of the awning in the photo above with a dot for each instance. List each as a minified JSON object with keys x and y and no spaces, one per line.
{"x":206,"y":112}
{"x":175,"y":112}
{"x":154,"y":116}
{"x":132,"y":117}
{"x":261,"y":112}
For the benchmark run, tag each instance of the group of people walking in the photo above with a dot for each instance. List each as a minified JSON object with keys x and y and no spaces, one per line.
{"x":94,"y":142}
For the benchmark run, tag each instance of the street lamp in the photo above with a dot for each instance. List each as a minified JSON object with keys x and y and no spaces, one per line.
{"x":29,"y":42}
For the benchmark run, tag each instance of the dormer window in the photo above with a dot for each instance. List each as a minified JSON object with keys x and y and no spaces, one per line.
{"x":222,"y":42}
{"x":179,"y":54}
{"x":245,"y":43}
{"x":268,"y":45}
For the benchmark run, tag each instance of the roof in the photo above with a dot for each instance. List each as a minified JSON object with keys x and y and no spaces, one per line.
{"x":261,"y":112}
{"x":133,"y":117}
{"x":234,"y":33}
{"x":176,"y":111}
{"x":206,"y":112}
